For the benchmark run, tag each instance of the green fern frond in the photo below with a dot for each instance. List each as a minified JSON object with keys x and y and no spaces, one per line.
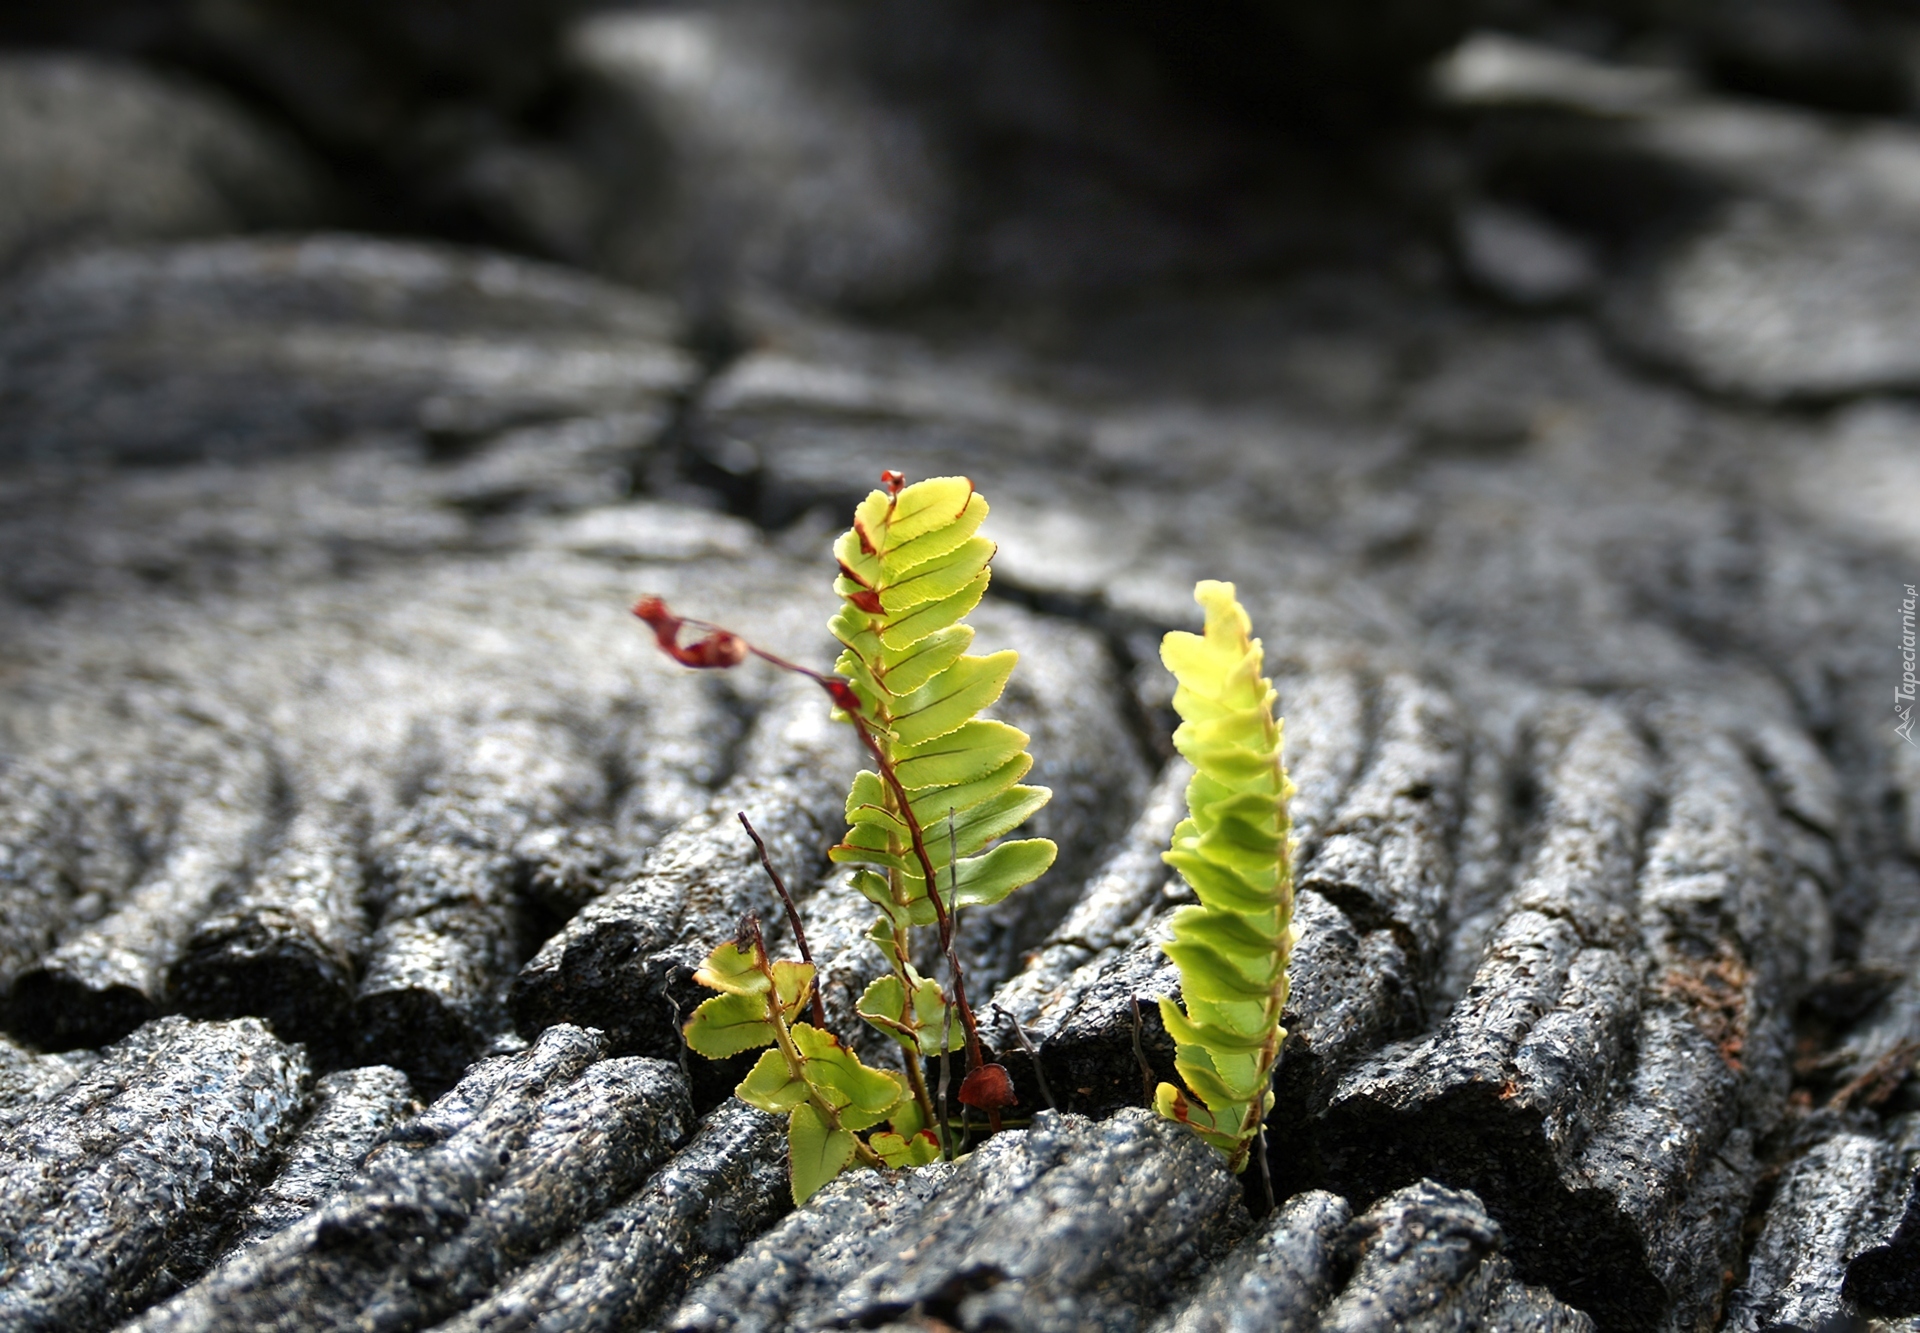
{"x":911,"y":567}
{"x":1235,"y":851}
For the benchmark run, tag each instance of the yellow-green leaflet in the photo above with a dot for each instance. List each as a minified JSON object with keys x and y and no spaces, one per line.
{"x":1235,"y":850}
{"x":912,"y":567}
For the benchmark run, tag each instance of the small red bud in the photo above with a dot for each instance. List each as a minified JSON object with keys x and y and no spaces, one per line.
{"x":988,"y":1088}
{"x":893,"y":481}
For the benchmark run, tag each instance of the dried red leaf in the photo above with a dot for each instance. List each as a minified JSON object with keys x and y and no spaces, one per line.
{"x":895,"y":482}
{"x":717,"y":648}
{"x":988,"y":1088}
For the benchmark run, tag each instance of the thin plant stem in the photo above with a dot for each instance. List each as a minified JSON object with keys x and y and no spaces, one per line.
{"x":1266,"y":1171}
{"x":946,"y":1068}
{"x":1140,"y":1054}
{"x":793,"y":916}
{"x":1020,"y":1035}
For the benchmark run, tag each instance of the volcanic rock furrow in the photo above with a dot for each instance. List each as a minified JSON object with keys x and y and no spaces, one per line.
{"x":451,"y":924}
{"x":698,"y":1211}
{"x":1427,"y":1258}
{"x":1067,"y":1225}
{"x":1279,"y":1278}
{"x":518,"y":1156}
{"x":105,"y":979}
{"x":1884,"y":1278}
{"x":118,"y":1188}
{"x":1130,"y":886}
{"x":1605,"y":1098}
{"x":1385,"y":859}
{"x":290,"y":945}
{"x":1838,"y":1201}
{"x":1066,"y":696}
{"x":36,"y":872}
{"x":348,"y":1114}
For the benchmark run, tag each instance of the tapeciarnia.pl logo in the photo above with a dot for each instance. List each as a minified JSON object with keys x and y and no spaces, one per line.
{"x":1903,"y":693}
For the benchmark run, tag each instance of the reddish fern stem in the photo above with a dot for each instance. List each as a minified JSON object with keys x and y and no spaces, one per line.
{"x":793,"y":916}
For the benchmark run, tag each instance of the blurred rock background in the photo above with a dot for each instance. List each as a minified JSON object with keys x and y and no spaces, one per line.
{"x":1544,"y":372}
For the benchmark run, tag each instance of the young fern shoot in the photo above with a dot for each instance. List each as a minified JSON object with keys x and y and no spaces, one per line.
{"x":1235,"y":849}
{"x":911,"y":567}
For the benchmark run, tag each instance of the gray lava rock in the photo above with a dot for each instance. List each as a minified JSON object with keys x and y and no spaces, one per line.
{"x":116,"y":1190}
{"x":1279,"y":1278}
{"x":349,"y":1113}
{"x":1068,"y":1225}
{"x":1523,"y":258}
{"x":1879,"y":1279}
{"x":814,"y":417}
{"x":1772,"y":306}
{"x":28,"y":1078}
{"x":1385,"y":859}
{"x":290,"y":946}
{"x":350,"y":75}
{"x":1774,"y":246}
{"x":1835,"y":1203}
{"x":1617,"y":1104}
{"x":1427,"y":1260}
{"x":698,"y":1211}
{"x":526,"y":1150}
{"x":1424,"y":1257}
{"x":244,"y":348}
{"x":108,"y":977}
{"x":94,"y":149}
{"x":1651,"y":651}
{"x":1133,"y":884}
{"x":450,"y":933}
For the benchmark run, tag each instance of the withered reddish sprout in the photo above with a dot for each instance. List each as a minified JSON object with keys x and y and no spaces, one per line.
{"x":717,"y":648}
{"x":893,"y":481}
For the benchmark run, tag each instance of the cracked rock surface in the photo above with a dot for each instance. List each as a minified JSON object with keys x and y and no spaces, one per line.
{"x":357,"y":848}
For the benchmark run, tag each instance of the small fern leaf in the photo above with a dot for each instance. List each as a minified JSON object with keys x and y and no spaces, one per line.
{"x":816,"y":1152}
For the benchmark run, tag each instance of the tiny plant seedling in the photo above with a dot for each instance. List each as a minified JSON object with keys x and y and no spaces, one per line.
{"x":912,"y":567}
{"x":1235,"y":850}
